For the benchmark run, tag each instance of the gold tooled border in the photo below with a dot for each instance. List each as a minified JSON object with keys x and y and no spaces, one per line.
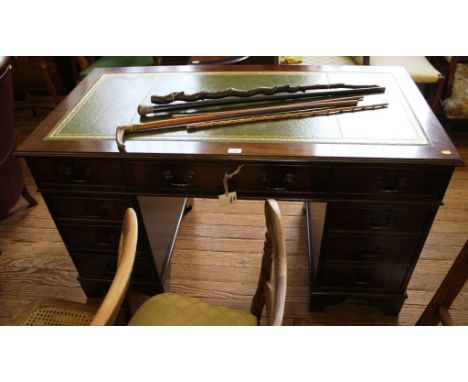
{"x":55,"y":133}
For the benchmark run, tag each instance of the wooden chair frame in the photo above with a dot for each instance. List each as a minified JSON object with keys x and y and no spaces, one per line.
{"x":271,"y":289}
{"x":111,"y":304}
{"x":93,"y":313}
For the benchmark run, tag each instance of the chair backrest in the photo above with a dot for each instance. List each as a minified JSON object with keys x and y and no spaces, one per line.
{"x":111,"y":304}
{"x":271,"y":289}
{"x":437,"y":310}
{"x":450,"y":76}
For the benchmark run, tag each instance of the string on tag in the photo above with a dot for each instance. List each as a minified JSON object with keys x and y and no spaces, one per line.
{"x":228,"y":176}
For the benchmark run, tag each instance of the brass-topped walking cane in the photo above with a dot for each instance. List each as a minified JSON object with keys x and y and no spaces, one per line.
{"x":207,"y":117}
{"x":209,"y":120}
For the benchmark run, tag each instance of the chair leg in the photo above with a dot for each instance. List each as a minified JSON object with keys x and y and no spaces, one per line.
{"x":29,"y":198}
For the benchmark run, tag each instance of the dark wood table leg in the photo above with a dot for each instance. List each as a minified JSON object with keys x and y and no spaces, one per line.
{"x":162,"y":217}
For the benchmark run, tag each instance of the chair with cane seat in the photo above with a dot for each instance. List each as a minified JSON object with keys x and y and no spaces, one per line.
{"x":177,"y":309}
{"x":66,"y":313}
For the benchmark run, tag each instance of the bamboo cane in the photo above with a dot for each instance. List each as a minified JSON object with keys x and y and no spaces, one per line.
{"x":282,"y":116}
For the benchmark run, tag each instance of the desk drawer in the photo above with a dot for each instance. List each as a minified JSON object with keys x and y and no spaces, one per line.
{"x":91,"y":265}
{"x":287,"y":179}
{"x":171,"y":176}
{"x":95,"y":238}
{"x":76,"y":172}
{"x":207,"y":178}
{"x":368,"y":248}
{"x":390,"y":183}
{"x":383,"y":218}
{"x":88,"y":208}
{"x":358,"y":277}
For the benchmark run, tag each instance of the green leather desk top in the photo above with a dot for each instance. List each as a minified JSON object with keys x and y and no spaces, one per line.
{"x":113,"y":101}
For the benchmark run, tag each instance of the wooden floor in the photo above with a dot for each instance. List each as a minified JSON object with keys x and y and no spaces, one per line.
{"x":217,"y":256}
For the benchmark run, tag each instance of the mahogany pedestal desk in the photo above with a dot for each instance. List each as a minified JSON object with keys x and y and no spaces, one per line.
{"x":380,"y":175}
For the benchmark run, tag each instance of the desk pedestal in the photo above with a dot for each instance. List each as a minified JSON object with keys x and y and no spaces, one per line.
{"x":364,"y":251}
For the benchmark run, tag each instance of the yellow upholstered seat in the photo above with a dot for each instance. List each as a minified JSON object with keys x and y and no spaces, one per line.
{"x":173,"y":309}
{"x":179,"y":310}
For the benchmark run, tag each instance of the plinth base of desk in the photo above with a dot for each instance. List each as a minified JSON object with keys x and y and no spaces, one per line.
{"x":388,"y":303}
{"x":160,"y":218}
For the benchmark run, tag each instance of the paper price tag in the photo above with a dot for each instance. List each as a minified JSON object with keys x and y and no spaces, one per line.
{"x":227,"y":200}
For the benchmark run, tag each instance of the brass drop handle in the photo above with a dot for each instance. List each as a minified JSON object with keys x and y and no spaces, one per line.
{"x":361,"y":283}
{"x":87,"y":213}
{"x":108,"y":241}
{"x":286,"y":182}
{"x":377,"y":223}
{"x":400,"y":185}
{"x":362,"y":279}
{"x":78,"y":175}
{"x":167,"y":175}
{"x":368,"y":253}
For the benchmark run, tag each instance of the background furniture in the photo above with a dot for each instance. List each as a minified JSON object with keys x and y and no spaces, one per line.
{"x":455,"y":103}
{"x":216,"y":60}
{"x":380,"y":194}
{"x":40,"y":82}
{"x":437,"y":310}
{"x":177,"y":309}
{"x":429,"y":79}
{"x":85,"y":64}
{"x":66,"y":313}
{"x":325,"y":60}
{"x":11,"y":177}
